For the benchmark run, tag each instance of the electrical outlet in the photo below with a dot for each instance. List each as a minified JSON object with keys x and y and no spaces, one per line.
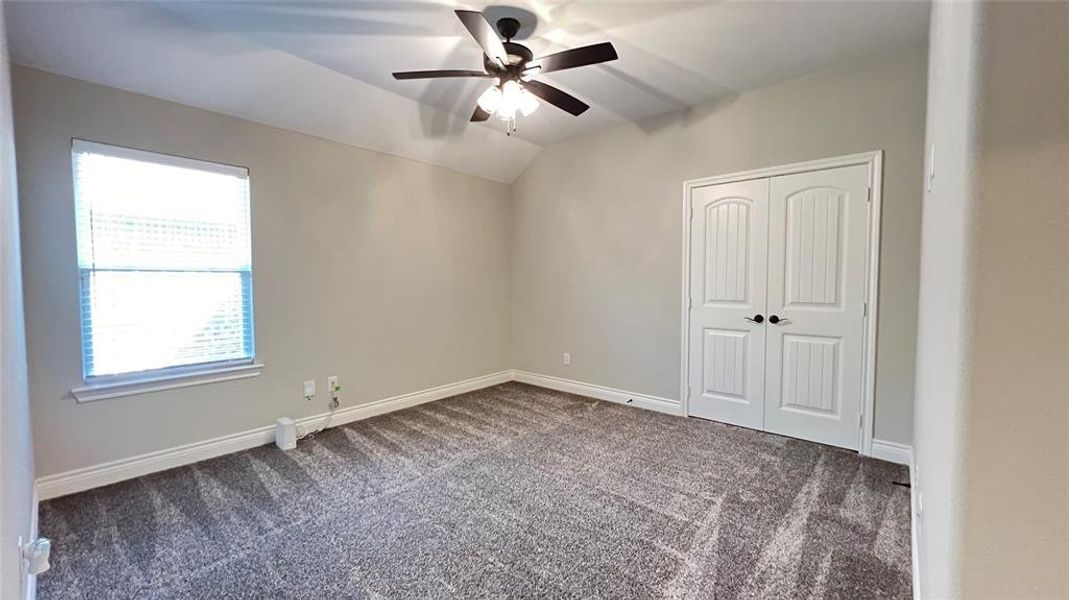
{"x":931,"y":167}
{"x":567,"y":359}
{"x":333,"y":389}
{"x":309,"y":388}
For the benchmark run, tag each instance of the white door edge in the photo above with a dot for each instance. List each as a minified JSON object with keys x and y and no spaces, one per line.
{"x":874,"y":161}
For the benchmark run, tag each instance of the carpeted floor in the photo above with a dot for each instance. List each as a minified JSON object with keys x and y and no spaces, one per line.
{"x":513,"y":491}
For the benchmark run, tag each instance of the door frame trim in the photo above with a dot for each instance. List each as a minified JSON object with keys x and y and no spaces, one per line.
{"x":874,"y":161}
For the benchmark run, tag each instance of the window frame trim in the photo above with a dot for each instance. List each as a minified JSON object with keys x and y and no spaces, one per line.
{"x":159,"y":158}
{"x":101,"y":387}
{"x":143,"y":382}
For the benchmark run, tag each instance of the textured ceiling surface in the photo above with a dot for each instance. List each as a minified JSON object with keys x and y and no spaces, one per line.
{"x":323,"y":67}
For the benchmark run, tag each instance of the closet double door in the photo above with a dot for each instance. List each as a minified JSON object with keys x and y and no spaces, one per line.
{"x":777,"y":303}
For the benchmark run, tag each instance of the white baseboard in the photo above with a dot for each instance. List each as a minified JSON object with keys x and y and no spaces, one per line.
{"x":914,"y":529}
{"x":380,"y":407}
{"x":664,"y":405}
{"x":892,"y":452}
{"x":86,"y":478}
{"x":903,"y":455}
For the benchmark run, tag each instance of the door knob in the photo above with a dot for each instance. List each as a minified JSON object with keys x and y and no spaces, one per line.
{"x":776,"y":320}
{"x":755,"y":319}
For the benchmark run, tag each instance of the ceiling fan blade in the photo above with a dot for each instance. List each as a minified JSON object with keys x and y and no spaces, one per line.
{"x":484,"y":35}
{"x":559,"y":98}
{"x":479,"y":115}
{"x":576,"y":57}
{"x":438,"y":74}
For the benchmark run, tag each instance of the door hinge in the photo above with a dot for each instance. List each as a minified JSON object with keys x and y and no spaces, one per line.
{"x":868,"y":197}
{"x":865,"y":310}
{"x":690,"y":303}
{"x":860,"y":420}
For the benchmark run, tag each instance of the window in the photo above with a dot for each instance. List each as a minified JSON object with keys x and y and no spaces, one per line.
{"x":165,"y":262}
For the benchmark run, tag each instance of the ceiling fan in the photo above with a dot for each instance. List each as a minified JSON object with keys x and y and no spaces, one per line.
{"x":513,"y":65}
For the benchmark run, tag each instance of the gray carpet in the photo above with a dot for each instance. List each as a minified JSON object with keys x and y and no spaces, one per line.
{"x":513,"y":491}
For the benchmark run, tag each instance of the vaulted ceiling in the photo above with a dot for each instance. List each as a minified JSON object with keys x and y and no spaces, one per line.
{"x":323,"y":67}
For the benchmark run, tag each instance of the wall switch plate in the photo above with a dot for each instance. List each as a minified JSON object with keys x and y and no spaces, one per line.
{"x":309,"y":388}
{"x":567,"y":359}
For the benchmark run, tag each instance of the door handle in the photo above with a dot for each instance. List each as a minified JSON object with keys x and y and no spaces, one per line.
{"x":775,"y":320}
{"x":755,"y":319}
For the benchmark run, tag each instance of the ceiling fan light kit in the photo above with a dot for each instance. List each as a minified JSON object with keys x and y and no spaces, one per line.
{"x":514,"y":66}
{"x":505,"y":100}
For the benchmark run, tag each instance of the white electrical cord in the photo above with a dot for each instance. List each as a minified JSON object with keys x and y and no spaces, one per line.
{"x":304,"y":413}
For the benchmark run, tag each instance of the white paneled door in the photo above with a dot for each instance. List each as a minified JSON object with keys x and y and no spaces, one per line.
{"x":727,"y":339}
{"x":817,"y":249}
{"x":777,"y":292}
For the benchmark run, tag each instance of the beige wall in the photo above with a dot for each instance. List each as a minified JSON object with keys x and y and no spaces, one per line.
{"x":396,"y":275}
{"x":992,"y":406}
{"x":16,"y":454}
{"x":391,"y":274}
{"x":1015,"y":531}
{"x":598,"y":219}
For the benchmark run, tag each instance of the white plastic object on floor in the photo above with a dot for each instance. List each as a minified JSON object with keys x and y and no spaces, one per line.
{"x":35,"y":555}
{"x":285,"y":433}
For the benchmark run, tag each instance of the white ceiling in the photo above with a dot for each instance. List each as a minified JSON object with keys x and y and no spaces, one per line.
{"x":323,"y":66}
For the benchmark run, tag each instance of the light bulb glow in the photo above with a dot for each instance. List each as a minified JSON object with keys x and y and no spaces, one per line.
{"x":490,"y":99}
{"x":506,"y":100}
{"x":528,"y":103}
{"x":511,"y":97}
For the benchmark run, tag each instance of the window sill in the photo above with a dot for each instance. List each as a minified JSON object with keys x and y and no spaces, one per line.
{"x":160,"y":382}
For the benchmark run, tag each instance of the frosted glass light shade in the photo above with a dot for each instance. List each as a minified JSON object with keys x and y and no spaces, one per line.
{"x":490,"y":100}
{"x":528,"y":103}
{"x":511,"y":98}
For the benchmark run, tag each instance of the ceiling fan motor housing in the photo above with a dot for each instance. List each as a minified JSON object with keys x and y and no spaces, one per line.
{"x":519,"y":55}
{"x":508,"y":27}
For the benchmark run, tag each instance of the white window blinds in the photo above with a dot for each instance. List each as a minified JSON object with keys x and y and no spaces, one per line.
{"x":164,"y":256}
